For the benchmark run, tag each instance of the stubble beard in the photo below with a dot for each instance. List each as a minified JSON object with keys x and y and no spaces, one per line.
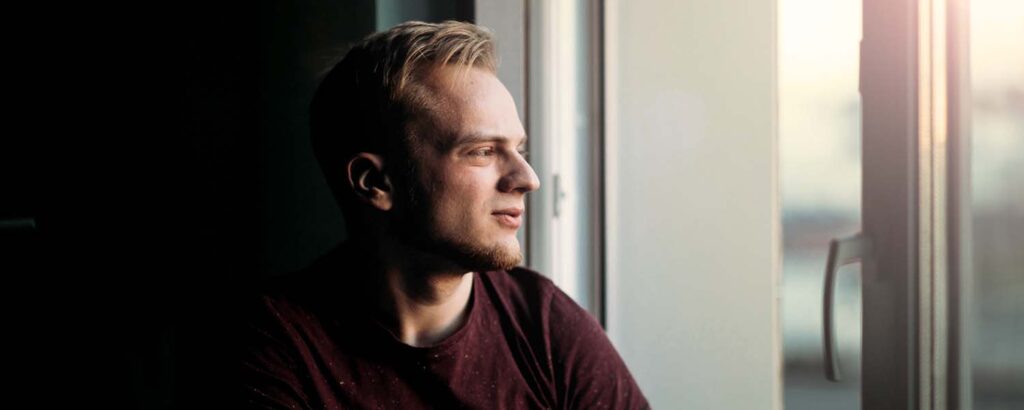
{"x":421,"y":230}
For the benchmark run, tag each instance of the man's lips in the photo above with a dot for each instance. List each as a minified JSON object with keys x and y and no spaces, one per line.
{"x":509,"y":217}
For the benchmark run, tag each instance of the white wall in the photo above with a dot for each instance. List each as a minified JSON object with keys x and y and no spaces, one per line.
{"x":692,"y":200}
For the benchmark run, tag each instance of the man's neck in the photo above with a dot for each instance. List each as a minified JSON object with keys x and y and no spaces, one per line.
{"x":422,"y":302}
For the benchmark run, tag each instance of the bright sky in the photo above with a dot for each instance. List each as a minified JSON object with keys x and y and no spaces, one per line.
{"x":819,"y":106}
{"x":997,"y":76}
{"x":819,"y":114}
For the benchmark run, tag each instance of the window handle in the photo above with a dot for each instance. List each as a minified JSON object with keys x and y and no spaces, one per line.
{"x":840,"y":252}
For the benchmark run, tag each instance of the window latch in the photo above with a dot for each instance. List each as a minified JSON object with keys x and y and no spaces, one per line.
{"x":841,"y":252}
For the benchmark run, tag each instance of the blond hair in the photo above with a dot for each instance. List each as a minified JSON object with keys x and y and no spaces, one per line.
{"x":365,"y":102}
{"x":412,"y":46}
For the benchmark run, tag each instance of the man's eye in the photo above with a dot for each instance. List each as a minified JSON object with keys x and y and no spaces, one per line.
{"x":524,"y":154}
{"x":482,"y":152}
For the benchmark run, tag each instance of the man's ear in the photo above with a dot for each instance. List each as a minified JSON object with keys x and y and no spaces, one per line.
{"x":369,"y":182}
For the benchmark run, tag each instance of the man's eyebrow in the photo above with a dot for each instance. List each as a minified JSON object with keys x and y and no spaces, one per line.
{"x":477,"y":138}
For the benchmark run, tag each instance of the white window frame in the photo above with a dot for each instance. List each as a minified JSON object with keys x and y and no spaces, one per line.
{"x":565,"y":232}
{"x":537,"y":44}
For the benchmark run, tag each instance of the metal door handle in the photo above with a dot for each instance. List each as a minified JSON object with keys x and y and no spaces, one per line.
{"x":840,"y":252}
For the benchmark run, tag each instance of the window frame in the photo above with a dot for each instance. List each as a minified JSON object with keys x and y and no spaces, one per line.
{"x":915,"y":201}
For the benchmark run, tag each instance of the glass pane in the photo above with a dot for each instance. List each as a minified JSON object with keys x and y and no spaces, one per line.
{"x":819,"y":147}
{"x":997,"y":166}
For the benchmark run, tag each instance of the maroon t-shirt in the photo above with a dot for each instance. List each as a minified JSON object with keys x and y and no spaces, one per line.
{"x":312,"y":343}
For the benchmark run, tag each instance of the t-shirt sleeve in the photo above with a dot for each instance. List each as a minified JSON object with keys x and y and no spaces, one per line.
{"x":589,"y":372}
{"x":269,"y":364}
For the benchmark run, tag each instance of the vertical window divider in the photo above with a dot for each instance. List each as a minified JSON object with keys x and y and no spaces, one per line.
{"x":916,"y":179}
{"x":931,"y":177}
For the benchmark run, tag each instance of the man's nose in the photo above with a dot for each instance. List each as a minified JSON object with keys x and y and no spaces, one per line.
{"x":519,"y":177}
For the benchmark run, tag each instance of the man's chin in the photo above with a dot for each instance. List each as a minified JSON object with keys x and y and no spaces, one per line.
{"x":483,"y":258}
{"x":477,"y":256}
{"x":497,"y":257}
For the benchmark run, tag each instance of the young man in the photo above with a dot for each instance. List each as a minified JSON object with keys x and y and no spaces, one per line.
{"x":423,"y":306}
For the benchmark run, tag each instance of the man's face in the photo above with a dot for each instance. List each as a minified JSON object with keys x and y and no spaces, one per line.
{"x":471,"y":176}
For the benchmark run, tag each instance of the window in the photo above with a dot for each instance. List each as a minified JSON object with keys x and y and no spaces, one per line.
{"x":820,"y":184}
{"x":738,"y":139}
{"x":996,"y":329}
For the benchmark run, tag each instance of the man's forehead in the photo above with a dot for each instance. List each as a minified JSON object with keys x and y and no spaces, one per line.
{"x":468,"y":106}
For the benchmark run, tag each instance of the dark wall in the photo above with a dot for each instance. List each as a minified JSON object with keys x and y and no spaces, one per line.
{"x":256,"y":193}
{"x":161,"y":152}
{"x":216,"y":186}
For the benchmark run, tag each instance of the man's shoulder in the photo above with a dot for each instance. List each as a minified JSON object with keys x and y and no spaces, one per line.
{"x":568,"y":340}
{"x":535,"y":297}
{"x":520,"y":286}
{"x":301,"y":294}
{"x":270,"y":294}
{"x":520,"y":278}
{"x":329,"y":275}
